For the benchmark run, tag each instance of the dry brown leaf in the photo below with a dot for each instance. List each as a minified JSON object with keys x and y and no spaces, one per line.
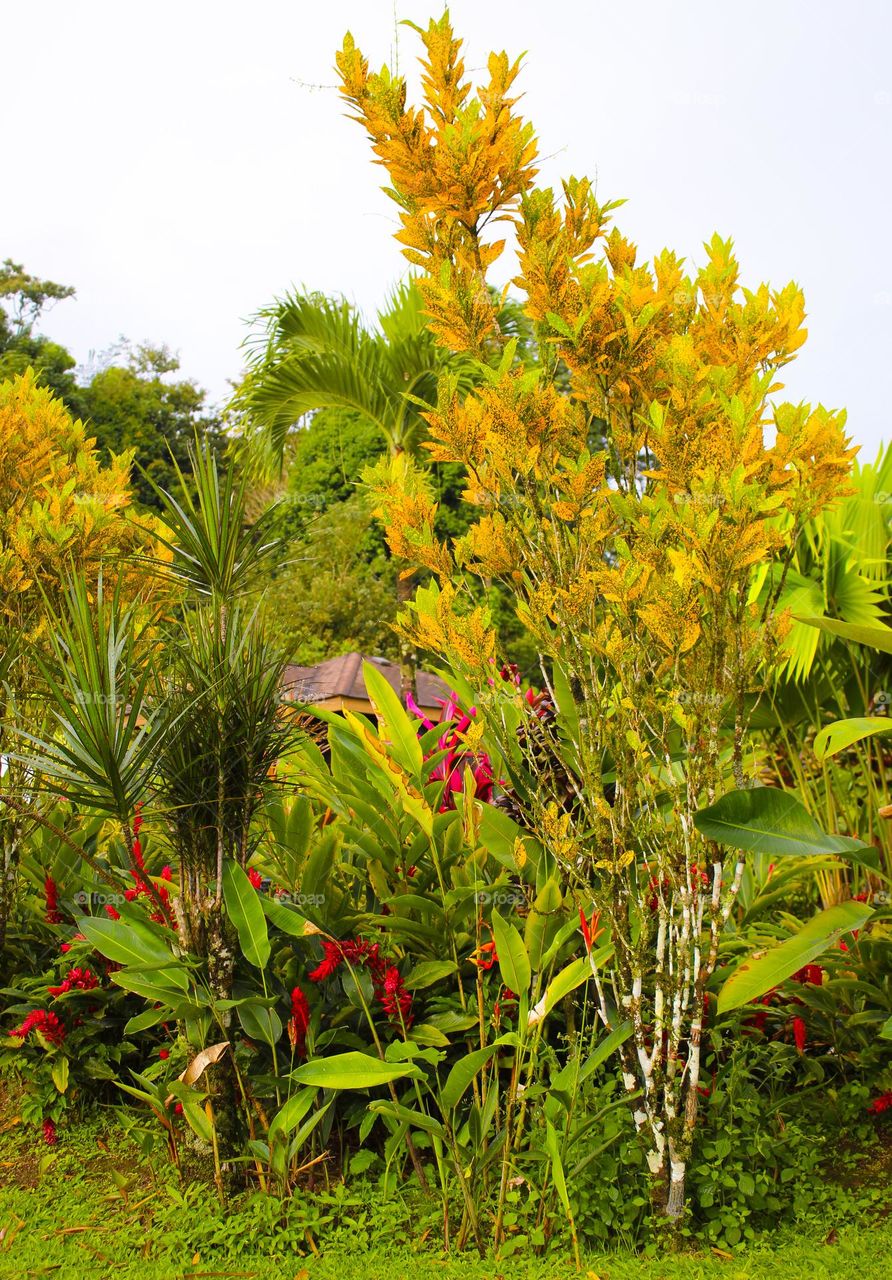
{"x":200,"y":1063}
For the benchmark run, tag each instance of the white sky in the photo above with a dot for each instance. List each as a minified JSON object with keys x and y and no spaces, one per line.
{"x":182,"y":163}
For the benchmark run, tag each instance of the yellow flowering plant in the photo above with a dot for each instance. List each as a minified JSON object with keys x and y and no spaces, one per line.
{"x":633,"y":483}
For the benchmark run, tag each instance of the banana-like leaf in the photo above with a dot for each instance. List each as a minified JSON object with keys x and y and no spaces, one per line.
{"x":401,"y":733}
{"x":514,"y":963}
{"x":244,"y":910}
{"x":875,"y":637}
{"x":762,"y":973}
{"x":767,"y":820}
{"x":844,"y":733}
{"x":352,"y":1071}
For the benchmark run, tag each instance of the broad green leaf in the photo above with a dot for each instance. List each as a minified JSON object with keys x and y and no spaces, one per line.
{"x":427,"y":972}
{"x":122,"y":944}
{"x":879,"y":638}
{"x":886,"y":1033}
{"x":514,"y":963}
{"x":465,"y":1070}
{"x":60,"y":1073}
{"x":754,"y":977}
{"x":767,"y":820}
{"x":260,"y":1023}
{"x":404,"y":1115}
{"x":155,"y":987}
{"x":290,"y":1114}
{"x":142,"y":1021}
{"x":284,"y":918}
{"x":244,"y":910}
{"x":400,"y":732}
{"x":352,"y":1071}
{"x":836,"y":737}
{"x":569,"y":978}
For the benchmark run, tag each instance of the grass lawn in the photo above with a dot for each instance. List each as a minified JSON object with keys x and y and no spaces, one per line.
{"x":93,"y":1207}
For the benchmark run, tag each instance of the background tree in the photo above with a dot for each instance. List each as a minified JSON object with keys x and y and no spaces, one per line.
{"x":61,"y":511}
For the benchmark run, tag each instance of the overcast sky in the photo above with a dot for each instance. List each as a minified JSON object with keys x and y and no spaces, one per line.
{"x":181,"y":163}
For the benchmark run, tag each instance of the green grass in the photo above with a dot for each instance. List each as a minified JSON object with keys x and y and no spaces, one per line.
{"x":93,"y":1207}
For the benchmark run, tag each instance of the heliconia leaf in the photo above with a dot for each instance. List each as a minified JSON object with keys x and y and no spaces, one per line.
{"x":875,"y":637}
{"x":244,"y":910}
{"x":754,"y":977}
{"x":427,"y":972}
{"x":514,"y":963}
{"x":405,"y":1115}
{"x":290,"y":1114}
{"x":122,"y":944}
{"x":400,"y":732}
{"x":767,"y":820}
{"x":465,"y":1070}
{"x":260,"y":1023}
{"x":561,"y":985}
{"x":286,"y":918}
{"x":844,"y":733}
{"x":352,"y":1071}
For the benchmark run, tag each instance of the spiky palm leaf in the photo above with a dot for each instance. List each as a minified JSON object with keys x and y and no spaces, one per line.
{"x":319,"y":355}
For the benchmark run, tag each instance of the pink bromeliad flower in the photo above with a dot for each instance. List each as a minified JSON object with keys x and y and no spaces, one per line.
{"x":451,"y":769}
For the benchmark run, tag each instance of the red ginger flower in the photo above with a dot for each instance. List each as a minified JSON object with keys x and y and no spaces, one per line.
{"x":77,"y":979}
{"x":299,"y":1022}
{"x":799,"y":1033}
{"x":51,"y":897}
{"x":395,"y":999}
{"x":163,"y":1054}
{"x":880,"y":1104}
{"x":49,"y":1133}
{"x":45,"y":1023}
{"x":255,"y":877}
{"x":111,"y":912}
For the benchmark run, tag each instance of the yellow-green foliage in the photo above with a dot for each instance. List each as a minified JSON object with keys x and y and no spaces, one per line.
{"x":60,"y":509}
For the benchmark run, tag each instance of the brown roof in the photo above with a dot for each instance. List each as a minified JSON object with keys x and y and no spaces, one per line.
{"x":338,"y":684}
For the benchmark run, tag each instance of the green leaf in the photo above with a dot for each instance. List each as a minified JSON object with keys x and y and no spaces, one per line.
{"x":60,"y":1073}
{"x":244,"y":910}
{"x":836,"y":737}
{"x":142,"y":1021}
{"x":260,"y":1023}
{"x":754,"y":977}
{"x":352,"y":1071}
{"x":414,"y":1119}
{"x":290,"y":1114}
{"x":122,"y":944}
{"x":399,"y":731}
{"x":514,"y":963}
{"x":465,"y":1070}
{"x":886,"y":1033}
{"x":284,"y":918}
{"x":879,"y":638}
{"x":569,"y":978}
{"x":767,"y":820}
{"x":427,"y":972}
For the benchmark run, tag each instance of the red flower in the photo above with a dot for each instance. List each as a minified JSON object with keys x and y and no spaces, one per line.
{"x":163,"y":1054}
{"x":66,"y":946}
{"x":485,"y":956}
{"x":51,"y":897}
{"x":799,"y":1033}
{"x":45,"y":1023}
{"x":590,"y":930}
{"x":329,"y":964}
{"x":395,"y":999}
{"x":810,"y":974}
{"x":111,"y":912}
{"x":49,"y":1133}
{"x":166,"y":873}
{"x":79,"y":979}
{"x":299,"y":1022}
{"x":880,"y":1104}
{"x":255,"y":877}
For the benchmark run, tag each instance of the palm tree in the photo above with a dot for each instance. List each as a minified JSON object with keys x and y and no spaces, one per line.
{"x":317,"y":354}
